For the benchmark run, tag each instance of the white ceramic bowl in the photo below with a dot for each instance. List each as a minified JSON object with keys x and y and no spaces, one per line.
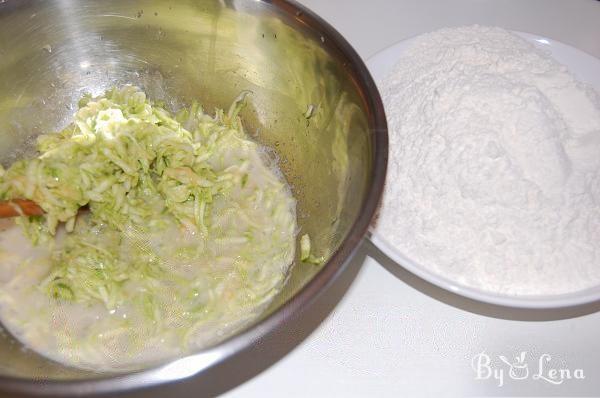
{"x":587,"y":69}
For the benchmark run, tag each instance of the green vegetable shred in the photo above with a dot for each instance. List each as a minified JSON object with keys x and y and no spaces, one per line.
{"x":186,"y":228}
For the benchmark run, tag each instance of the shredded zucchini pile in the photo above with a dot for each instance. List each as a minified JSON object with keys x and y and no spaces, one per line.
{"x":161,"y":191}
{"x":121,"y":151}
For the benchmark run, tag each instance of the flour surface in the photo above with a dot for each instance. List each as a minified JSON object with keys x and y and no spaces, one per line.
{"x":494,"y":173}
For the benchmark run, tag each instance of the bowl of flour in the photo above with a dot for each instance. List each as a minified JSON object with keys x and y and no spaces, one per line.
{"x":493,"y":187}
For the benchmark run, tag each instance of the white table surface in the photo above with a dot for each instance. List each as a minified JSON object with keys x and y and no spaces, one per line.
{"x":393,"y":335}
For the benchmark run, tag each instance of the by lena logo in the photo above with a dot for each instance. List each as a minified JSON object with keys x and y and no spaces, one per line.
{"x":522,"y":367}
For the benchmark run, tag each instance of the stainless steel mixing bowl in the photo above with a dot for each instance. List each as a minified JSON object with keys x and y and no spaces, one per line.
{"x":312,"y":100}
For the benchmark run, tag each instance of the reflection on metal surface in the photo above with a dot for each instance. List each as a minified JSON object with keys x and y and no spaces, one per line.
{"x":52,"y":52}
{"x":186,"y":367}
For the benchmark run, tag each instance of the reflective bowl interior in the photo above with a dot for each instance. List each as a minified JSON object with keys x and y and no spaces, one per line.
{"x":52,"y":52}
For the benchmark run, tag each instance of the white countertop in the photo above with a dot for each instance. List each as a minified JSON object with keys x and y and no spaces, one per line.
{"x":395,"y":335}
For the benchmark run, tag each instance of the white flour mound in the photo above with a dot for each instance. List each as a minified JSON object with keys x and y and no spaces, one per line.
{"x":494,"y":174}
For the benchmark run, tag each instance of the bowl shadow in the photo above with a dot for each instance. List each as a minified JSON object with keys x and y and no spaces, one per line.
{"x":474,"y":306}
